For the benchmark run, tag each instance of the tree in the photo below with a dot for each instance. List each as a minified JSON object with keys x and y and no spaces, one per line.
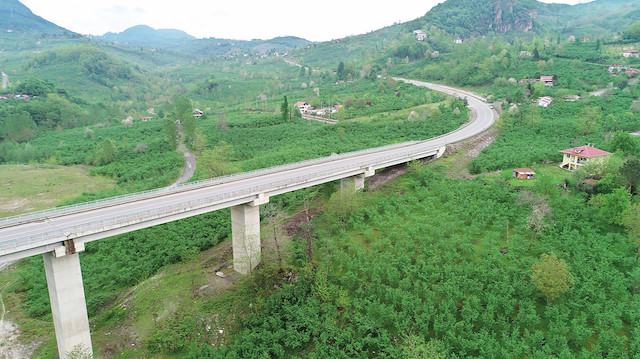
{"x":18,"y":127}
{"x":170,"y":130}
{"x":340,"y":71}
{"x":612,"y":205}
{"x":539,"y":211}
{"x":622,"y":141}
{"x":284,"y":110}
{"x":630,"y":171}
{"x":217,"y":161}
{"x":275,"y":215}
{"x":633,"y":32}
{"x":631,"y":223}
{"x":105,"y":153}
{"x":551,"y":276}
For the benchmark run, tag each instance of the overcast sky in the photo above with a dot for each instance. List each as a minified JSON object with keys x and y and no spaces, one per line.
{"x":229,"y":19}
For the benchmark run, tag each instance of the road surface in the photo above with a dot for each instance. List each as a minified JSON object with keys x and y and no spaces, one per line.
{"x":39,"y":233}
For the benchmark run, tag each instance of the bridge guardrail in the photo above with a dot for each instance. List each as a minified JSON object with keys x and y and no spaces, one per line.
{"x":185,"y":186}
{"x":96,"y":226}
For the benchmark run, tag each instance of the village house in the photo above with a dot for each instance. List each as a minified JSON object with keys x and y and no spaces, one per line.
{"x":548,"y":80}
{"x":523,"y":173}
{"x":303,"y":107}
{"x":631,"y":53}
{"x":580,"y":156}
{"x":545,"y":101}
{"x":197,"y":113}
{"x":458,"y":41}
{"x":631,"y":72}
{"x":571,"y":98}
{"x":146,"y":118}
{"x":420,"y":35}
{"x":525,"y":53}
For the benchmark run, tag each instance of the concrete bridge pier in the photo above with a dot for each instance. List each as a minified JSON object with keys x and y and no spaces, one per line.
{"x":245,"y":234}
{"x":356,"y":183}
{"x":70,"y":319}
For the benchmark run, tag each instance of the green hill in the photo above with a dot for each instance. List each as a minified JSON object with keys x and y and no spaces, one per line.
{"x":144,"y":35}
{"x":17,"y":17}
{"x":471,"y":18}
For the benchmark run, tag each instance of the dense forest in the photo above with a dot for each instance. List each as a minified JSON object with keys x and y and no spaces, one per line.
{"x":453,"y":259}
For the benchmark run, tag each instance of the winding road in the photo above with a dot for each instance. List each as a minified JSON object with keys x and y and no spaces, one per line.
{"x":41,"y":232}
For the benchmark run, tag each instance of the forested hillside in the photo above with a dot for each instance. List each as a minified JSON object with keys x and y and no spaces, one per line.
{"x":15,"y":16}
{"x":453,"y":259}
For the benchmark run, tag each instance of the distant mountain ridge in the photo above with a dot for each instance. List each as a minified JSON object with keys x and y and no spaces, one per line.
{"x":177,"y":40}
{"x":144,"y":35}
{"x":471,"y":18}
{"x":17,"y":17}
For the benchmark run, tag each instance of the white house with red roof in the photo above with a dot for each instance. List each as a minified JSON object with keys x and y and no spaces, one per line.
{"x":303,"y":106}
{"x":580,"y":156}
{"x":631,"y":53}
{"x":545,"y":101}
{"x":548,"y":80}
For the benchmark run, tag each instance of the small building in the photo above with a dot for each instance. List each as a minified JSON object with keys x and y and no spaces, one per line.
{"x":580,"y":156}
{"x":529,"y":81}
{"x":545,"y":101}
{"x":631,"y":53}
{"x":420,"y":35}
{"x":303,"y":106}
{"x":571,"y":98}
{"x":631,"y":72}
{"x":524,"y":173}
{"x":197,"y":113}
{"x":458,"y":41}
{"x":525,"y":53}
{"x":146,"y":118}
{"x":548,"y":80}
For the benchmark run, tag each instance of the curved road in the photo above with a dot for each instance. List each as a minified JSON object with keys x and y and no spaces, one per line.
{"x":42,"y":232}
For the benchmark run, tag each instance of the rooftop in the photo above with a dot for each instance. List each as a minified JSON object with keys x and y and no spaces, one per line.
{"x":586,"y":151}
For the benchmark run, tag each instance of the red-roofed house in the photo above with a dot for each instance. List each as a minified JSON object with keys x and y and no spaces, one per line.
{"x":523,"y":173}
{"x":631,"y":53}
{"x":548,"y":80}
{"x":580,"y":156}
{"x":545,"y":101}
{"x":303,"y":106}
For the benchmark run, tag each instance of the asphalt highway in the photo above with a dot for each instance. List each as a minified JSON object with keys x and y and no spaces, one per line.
{"x":51,"y":228}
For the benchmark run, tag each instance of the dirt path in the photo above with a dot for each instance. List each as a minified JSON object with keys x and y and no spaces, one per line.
{"x":189,"y":162}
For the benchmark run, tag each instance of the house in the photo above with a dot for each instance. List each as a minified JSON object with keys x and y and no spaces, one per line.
{"x":146,"y":118}
{"x":548,"y":80}
{"x":545,"y":101}
{"x":525,"y":53}
{"x":631,"y":71}
{"x":571,"y":98}
{"x":458,"y":41}
{"x":580,"y":156}
{"x":523,"y":173}
{"x":197,"y":113}
{"x":303,"y":106}
{"x":631,"y":53}
{"x":530,"y":81}
{"x":420,"y":35}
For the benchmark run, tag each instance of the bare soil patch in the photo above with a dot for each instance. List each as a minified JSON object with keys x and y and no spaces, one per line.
{"x":466,"y":151}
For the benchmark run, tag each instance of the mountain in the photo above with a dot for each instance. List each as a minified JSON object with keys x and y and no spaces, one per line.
{"x":471,"y":18}
{"x":15,"y":16}
{"x":144,"y":35}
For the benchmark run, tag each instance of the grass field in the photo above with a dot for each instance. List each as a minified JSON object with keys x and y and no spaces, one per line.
{"x":28,"y":188}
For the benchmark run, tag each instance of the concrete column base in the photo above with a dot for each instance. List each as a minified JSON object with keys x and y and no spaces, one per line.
{"x":70,"y":319}
{"x":245,"y":234}
{"x":353,"y":183}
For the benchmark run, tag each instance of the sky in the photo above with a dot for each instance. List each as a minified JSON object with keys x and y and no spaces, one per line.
{"x":240,"y":19}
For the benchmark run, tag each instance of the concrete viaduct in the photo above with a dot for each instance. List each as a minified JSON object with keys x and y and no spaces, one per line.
{"x":60,"y":233}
